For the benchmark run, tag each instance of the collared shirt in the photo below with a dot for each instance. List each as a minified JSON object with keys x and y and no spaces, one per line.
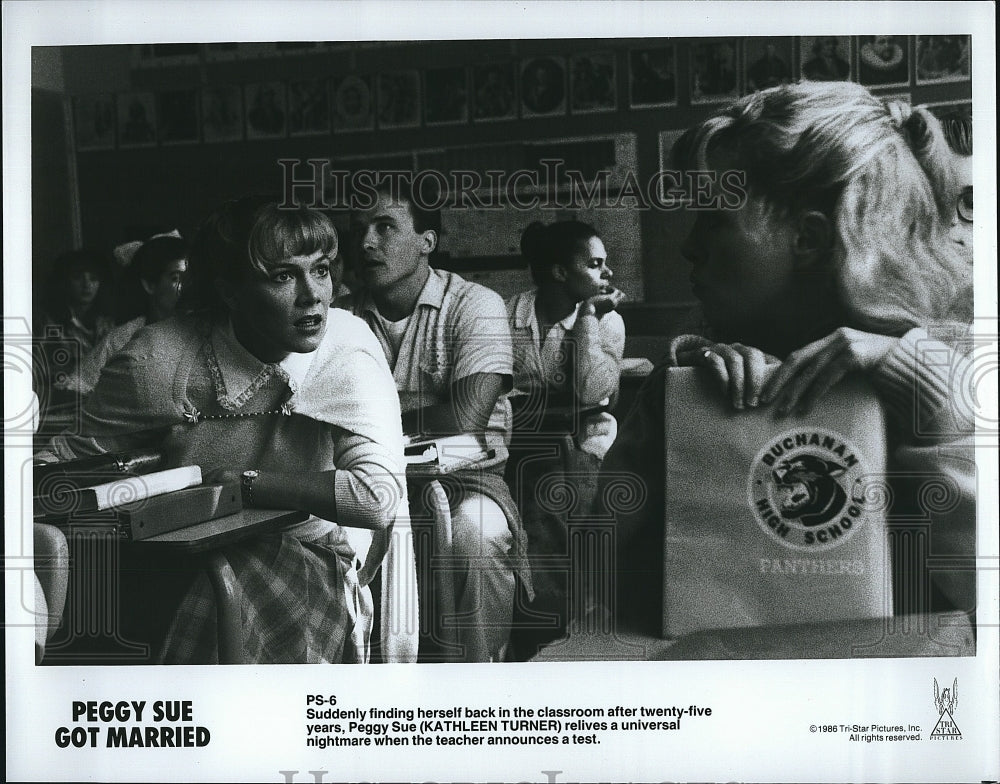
{"x":578,"y":361}
{"x":458,"y":328}
{"x":589,"y":368}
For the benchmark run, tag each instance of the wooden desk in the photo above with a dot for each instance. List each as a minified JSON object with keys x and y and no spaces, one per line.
{"x":222,"y":531}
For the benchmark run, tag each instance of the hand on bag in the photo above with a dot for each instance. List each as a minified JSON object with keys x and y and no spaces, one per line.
{"x":741,"y":370}
{"x":809,"y":373}
{"x":603,"y":303}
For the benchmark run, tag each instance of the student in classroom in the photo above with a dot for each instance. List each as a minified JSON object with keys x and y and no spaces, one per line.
{"x":850,"y":266}
{"x":262,"y":384}
{"x":568,"y":346}
{"x":448,"y":344}
{"x":73,"y":312}
{"x":152,"y":284}
{"x":955,"y":168}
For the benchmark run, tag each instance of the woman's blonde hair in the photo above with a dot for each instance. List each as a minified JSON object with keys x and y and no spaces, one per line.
{"x":245,"y":236}
{"x":878,"y":171}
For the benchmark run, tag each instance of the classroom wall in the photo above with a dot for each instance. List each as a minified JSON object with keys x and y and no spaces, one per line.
{"x":125,"y":190}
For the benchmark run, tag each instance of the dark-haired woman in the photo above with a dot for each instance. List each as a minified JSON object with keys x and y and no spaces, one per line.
{"x":75,"y":302}
{"x":154,"y":279}
{"x":268,"y":386}
{"x":568,"y":345}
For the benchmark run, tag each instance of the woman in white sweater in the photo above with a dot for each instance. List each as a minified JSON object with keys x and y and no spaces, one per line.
{"x":268,"y":386}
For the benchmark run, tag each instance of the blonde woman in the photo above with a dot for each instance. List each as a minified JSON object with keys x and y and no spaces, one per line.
{"x":837,"y":258}
{"x":266,"y":385}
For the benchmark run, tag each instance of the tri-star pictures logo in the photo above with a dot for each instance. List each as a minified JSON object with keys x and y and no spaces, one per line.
{"x":946,"y":702}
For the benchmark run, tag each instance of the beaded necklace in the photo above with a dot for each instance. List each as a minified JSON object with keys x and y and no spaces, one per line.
{"x":193,"y":416}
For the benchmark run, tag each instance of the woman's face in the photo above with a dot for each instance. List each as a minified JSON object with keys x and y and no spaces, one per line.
{"x":83,"y":288}
{"x":588,"y":273}
{"x":284,"y":312}
{"x":165,"y":290}
{"x":743,"y":265}
{"x":960,"y":231}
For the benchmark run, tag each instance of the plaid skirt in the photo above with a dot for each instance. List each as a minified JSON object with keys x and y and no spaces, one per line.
{"x":301,"y":604}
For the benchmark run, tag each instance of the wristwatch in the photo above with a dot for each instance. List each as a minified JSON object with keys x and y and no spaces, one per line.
{"x":246,"y":485}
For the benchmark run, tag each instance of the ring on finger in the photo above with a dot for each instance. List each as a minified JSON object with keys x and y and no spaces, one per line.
{"x":707,"y":354}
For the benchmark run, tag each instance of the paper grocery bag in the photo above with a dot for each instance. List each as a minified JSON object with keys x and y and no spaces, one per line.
{"x":772,"y":521}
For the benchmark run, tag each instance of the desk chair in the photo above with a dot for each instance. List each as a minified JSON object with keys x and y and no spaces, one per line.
{"x":51,"y":581}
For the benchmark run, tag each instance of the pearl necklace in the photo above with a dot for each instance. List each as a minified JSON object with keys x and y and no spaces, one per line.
{"x":193,"y":416}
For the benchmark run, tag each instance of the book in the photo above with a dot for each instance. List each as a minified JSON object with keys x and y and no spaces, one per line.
{"x":160,"y":514}
{"x":117,"y":493}
{"x":179,"y":509}
{"x":90,"y":471}
{"x":444,"y":454}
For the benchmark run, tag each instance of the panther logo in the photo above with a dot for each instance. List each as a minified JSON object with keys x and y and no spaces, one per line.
{"x":806,"y":489}
{"x":809,"y":490}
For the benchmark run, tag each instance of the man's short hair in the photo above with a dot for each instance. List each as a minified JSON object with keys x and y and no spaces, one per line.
{"x":425,"y":215}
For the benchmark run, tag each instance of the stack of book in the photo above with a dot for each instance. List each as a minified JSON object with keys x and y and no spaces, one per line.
{"x":132,"y":494}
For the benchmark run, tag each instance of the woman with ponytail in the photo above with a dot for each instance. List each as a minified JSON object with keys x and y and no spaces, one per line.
{"x":568,"y":346}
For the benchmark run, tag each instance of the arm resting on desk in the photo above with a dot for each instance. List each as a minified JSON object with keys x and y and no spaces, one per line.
{"x":364,"y":492}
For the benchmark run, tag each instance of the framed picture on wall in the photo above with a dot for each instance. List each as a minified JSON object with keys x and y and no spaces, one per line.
{"x":826,"y":58}
{"x":767,"y":62}
{"x":94,"y":121}
{"x":714,"y":71}
{"x":136,"y":120}
{"x":493,"y":91}
{"x":266,"y":113}
{"x":177,"y":116}
{"x":221,"y":113}
{"x":543,"y":86}
{"x":352,"y":104}
{"x":593,"y":83}
{"x":943,"y":58}
{"x":884,"y":60}
{"x":446,"y":96}
{"x":652,"y":77}
{"x":308,"y":107}
{"x":398,"y":97}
